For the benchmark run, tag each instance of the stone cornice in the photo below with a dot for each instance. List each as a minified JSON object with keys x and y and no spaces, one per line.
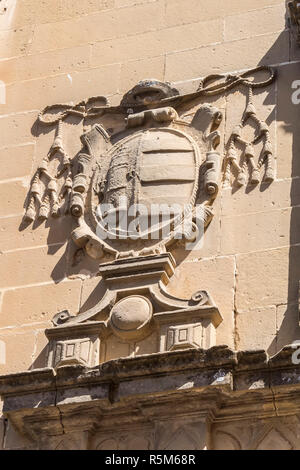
{"x":218,"y":383}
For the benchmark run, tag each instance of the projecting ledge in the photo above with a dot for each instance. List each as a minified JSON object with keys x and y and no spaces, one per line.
{"x":218,"y":383}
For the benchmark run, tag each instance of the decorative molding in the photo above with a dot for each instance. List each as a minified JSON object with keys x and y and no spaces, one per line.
{"x":241,"y":400}
{"x":135,"y":307}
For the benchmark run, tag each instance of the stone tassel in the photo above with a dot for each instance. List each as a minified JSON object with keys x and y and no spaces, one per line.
{"x":45,"y":207}
{"x":34,"y":198}
{"x":52,"y":187}
{"x":268,"y":155}
{"x":249,"y":155}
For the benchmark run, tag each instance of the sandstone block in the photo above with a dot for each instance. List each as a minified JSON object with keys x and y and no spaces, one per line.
{"x":253,"y":23}
{"x":39,"y":304}
{"x":99,"y":27}
{"x":38,"y":93}
{"x":288,"y":139}
{"x":288,"y":329}
{"x":227,"y":57}
{"x":178,"y":13}
{"x":267,"y":278}
{"x":19,"y":347}
{"x":31,"y":12}
{"x":93,"y":290}
{"x":16,"y":234}
{"x":14,"y":440}
{"x":33,"y":266}
{"x":217,"y":276}
{"x":41,"y":351}
{"x":16,"y":162}
{"x":45,"y":64}
{"x":134,"y":71}
{"x":281,"y":194}
{"x":256,"y":329}
{"x":73,"y":8}
{"x":12,"y":196}
{"x":126,"y":3}
{"x":16,"y":128}
{"x":259,"y":231}
{"x":156,"y":43}
{"x":16,"y":42}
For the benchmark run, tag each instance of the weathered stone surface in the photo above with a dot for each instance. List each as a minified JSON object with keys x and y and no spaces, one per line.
{"x":225,"y":57}
{"x":19,"y":348}
{"x":203,"y":376}
{"x":16,"y":128}
{"x":256,"y":22}
{"x":134,"y":71}
{"x":288,"y":329}
{"x":16,"y":162}
{"x":14,"y":441}
{"x":31,"y":12}
{"x":156,"y":43}
{"x":287,"y":130}
{"x":217,"y":276}
{"x":93,"y":290}
{"x":16,"y":42}
{"x":275,"y":433}
{"x":41,"y":350}
{"x":42,"y":65}
{"x":15,"y":234}
{"x":12,"y":196}
{"x":259,"y":231}
{"x":2,"y":432}
{"x":99,"y":27}
{"x":39,"y":304}
{"x":177,"y":13}
{"x":24,"y":267}
{"x":267,"y":278}
{"x":283,"y":194}
{"x":256,"y":329}
{"x":30,"y":94}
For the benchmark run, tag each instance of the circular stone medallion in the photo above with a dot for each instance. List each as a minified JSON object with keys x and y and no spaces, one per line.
{"x":130,"y":317}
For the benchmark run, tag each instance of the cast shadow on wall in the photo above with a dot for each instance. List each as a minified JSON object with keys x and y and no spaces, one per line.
{"x":285,"y":295}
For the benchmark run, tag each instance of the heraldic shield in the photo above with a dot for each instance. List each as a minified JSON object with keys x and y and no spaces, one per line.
{"x":149,"y":188}
{"x":145,"y":187}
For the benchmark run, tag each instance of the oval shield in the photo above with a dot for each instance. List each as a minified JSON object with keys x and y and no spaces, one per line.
{"x":145,"y":187}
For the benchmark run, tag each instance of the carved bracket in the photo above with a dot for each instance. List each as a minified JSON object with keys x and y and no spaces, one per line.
{"x":138,"y":312}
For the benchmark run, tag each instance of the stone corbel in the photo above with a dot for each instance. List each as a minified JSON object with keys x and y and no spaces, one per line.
{"x":75,"y":344}
{"x":136,"y":306}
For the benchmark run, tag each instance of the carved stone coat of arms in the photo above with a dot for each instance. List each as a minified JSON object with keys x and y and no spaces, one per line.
{"x":134,"y":190}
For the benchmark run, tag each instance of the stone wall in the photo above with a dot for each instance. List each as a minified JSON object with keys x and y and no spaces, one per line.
{"x":56,"y":51}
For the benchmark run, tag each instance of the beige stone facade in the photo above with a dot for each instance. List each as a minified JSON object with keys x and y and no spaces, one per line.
{"x":242,"y":396}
